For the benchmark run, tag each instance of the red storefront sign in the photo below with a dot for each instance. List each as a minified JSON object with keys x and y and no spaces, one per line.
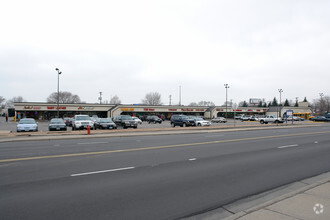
{"x":52,"y":107}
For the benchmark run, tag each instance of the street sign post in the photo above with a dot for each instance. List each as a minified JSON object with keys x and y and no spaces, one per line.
{"x":288,"y":113}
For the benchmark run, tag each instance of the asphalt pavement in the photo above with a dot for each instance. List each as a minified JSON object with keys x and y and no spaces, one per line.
{"x":155,"y":176}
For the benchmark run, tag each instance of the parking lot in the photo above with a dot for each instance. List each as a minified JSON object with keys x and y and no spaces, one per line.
{"x":43,"y":125}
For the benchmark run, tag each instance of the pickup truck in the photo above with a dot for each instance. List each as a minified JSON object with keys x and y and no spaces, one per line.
{"x":271,"y":119}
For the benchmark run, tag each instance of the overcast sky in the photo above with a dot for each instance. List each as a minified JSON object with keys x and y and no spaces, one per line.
{"x":130,"y":48}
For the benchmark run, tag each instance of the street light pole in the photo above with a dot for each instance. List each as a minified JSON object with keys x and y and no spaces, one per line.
{"x":180,"y":96}
{"x":58,"y":91}
{"x":280,"y":91}
{"x":226,"y":86}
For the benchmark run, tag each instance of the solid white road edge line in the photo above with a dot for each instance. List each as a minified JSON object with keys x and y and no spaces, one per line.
{"x":102,"y":171}
{"x":293,"y":145}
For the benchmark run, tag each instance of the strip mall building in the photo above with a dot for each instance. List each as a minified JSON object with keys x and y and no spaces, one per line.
{"x":46,"y":111}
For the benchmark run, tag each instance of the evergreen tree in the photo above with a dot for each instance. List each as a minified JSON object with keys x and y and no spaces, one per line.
{"x":245,"y":104}
{"x":296,"y":105}
{"x":265,"y":105}
{"x":305,"y":100}
{"x":286,"y":103}
{"x":260,"y":104}
{"x":274,"y":103}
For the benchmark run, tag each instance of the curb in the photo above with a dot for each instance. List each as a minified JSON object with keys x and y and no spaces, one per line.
{"x":222,"y":212}
{"x":164,"y":131}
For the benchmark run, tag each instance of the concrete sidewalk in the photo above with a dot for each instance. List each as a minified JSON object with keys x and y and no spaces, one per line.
{"x":303,"y":200}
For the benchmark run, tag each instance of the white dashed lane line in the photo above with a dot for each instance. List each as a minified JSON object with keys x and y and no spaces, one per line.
{"x":94,"y":143}
{"x":102,"y":171}
{"x":288,"y":146}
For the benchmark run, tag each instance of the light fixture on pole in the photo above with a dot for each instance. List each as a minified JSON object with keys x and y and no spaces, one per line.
{"x":226,"y":86}
{"x":58,"y":91}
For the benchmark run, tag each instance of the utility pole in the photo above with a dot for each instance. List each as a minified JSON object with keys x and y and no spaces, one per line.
{"x":170,"y":99}
{"x":227,"y":87}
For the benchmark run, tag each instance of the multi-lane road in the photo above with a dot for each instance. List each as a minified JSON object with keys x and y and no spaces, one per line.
{"x":156,"y":176}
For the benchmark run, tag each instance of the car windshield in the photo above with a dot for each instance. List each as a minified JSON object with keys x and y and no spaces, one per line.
{"x":83,"y":118}
{"x":185,"y":117}
{"x":56,"y":121}
{"x":199,"y":119}
{"x":27,"y":121}
{"x":106,"y":120}
{"x":126,"y":117}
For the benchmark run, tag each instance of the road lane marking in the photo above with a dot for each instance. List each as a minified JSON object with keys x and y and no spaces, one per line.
{"x":293,"y":145}
{"x":94,"y":143}
{"x":192,"y":159}
{"x":157,"y":147}
{"x":102,"y":171}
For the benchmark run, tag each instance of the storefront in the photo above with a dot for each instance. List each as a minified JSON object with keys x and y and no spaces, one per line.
{"x":222,"y":112}
{"x":164,"y":112}
{"x":47,"y":111}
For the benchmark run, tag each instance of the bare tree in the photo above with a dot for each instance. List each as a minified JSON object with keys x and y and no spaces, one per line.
{"x":65,"y":97}
{"x":115,"y":100}
{"x":2,"y":100}
{"x":193,"y":104}
{"x":152,"y":98}
{"x":10,"y":102}
{"x":206,"y":103}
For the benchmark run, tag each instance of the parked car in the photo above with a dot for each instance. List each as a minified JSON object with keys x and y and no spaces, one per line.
{"x":254,"y":118}
{"x":57,"y":124}
{"x":181,"y":120}
{"x":105,"y":123}
{"x":139,"y":121}
{"x":68,"y":122}
{"x":319,"y":118}
{"x":246,"y":118}
{"x":125,"y":121}
{"x":270,"y":119}
{"x":202,"y":122}
{"x":219,"y":120}
{"x":154,"y":119}
{"x":27,"y":124}
{"x":82,"y":122}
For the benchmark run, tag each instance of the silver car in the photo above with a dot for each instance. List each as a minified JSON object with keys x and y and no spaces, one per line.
{"x":57,"y":124}
{"x":27,"y":124}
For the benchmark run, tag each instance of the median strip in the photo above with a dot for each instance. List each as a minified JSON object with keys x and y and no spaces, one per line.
{"x":156,"y":147}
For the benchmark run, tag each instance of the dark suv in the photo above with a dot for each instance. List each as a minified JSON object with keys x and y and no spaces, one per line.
{"x":182,"y":120}
{"x":154,"y":119}
{"x":125,"y":121}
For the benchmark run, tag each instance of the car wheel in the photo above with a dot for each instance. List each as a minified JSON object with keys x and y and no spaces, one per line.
{"x":266,"y":122}
{"x":125,"y":127}
{"x":173,"y":125}
{"x":261,"y":122}
{"x":160,"y":122}
{"x":155,"y":122}
{"x":135,"y":127}
{"x":148,"y":122}
{"x":184,"y":125}
{"x":199,"y":124}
